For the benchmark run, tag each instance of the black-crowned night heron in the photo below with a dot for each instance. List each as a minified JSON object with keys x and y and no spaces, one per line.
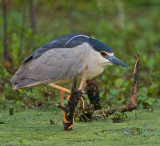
{"x":58,"y":60}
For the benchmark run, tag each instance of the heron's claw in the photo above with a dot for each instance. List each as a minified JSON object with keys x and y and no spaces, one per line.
{"x":68,"y":98}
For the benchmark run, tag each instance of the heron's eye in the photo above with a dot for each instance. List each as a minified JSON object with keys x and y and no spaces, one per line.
{"x":103,"y":54}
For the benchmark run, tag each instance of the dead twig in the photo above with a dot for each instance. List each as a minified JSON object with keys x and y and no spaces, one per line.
{"x":133,"y":100}
{"x":72,"y":103}
{"x":76,"y":95}
{"x":84,"y":78}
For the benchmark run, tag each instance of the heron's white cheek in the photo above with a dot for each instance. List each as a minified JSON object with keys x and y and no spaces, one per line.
{"x":102,"y":61}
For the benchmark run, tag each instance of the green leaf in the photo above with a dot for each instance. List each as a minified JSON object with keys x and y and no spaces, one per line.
{"x":77,"y":119}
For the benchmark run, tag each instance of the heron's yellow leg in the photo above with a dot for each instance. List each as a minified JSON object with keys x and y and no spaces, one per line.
{"x":82,"y":102}
{"x":60,"y":88}
{"x":62,"y":103}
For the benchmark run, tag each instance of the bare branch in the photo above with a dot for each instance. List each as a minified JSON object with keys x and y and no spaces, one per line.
{"x":84,"y":78}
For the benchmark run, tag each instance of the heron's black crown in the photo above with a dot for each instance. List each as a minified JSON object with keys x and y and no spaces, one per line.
{"x":69,"y":41}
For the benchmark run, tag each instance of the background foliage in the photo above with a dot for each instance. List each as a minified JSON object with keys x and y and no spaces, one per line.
{"x":128,"y":27}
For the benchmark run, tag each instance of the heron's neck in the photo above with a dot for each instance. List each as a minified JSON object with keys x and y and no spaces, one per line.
{"x":95,"y":67}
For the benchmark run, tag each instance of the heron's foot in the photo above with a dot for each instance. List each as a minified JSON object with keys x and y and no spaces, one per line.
{"x":82,"y":98}
{"x":70,"y":127}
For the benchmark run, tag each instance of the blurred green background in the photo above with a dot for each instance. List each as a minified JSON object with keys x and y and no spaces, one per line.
{"x":127,"y":26}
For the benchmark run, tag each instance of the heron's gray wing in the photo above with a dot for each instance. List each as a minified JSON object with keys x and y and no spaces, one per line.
{"x":66,"y":41}
{"x":53,"y":65}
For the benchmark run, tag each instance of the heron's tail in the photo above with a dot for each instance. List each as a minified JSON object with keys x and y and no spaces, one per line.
{"x":23,"y":83}
{"x":21,"y":78}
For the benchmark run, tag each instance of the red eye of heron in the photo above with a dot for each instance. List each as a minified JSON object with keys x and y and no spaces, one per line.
{"x":103,"y":54}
